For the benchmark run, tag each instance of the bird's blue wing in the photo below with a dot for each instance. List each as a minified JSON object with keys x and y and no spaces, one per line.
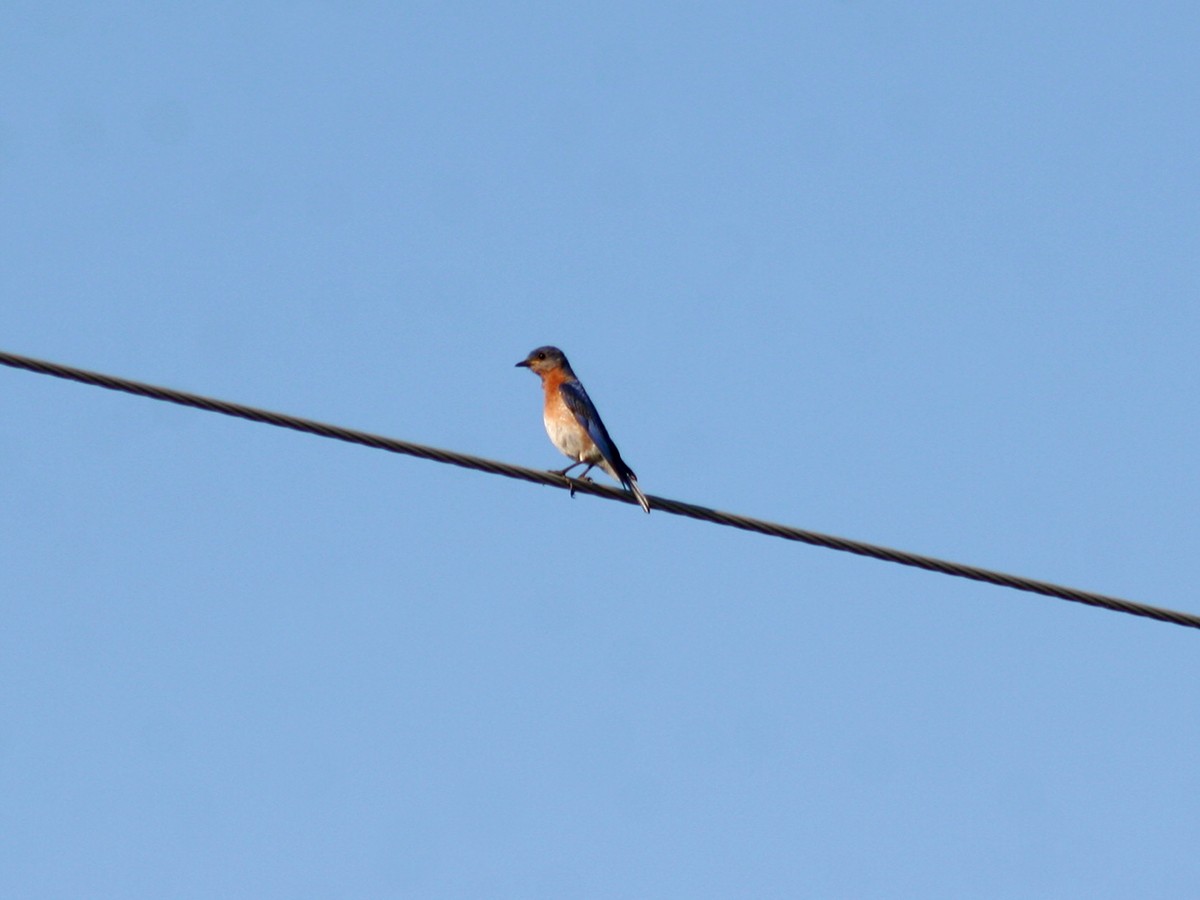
{"x":580,"y":405}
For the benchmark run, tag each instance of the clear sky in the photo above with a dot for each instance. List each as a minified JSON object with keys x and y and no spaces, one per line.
{"x":918,"y":274}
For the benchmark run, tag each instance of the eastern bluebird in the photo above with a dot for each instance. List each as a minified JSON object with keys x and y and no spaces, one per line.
{"x":572,"y":422}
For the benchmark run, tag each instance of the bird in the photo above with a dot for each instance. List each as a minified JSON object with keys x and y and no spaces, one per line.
{"x":573,"y":424}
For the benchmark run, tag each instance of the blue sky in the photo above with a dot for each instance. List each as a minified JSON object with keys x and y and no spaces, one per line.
{"x":923,"y":275}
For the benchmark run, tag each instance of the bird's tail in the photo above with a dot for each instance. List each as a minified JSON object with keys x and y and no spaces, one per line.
{"x":622,"y":473}
{"x":631,"y":483}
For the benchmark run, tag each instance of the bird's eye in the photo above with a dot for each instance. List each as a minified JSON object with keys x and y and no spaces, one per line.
{"x":541,"y":356}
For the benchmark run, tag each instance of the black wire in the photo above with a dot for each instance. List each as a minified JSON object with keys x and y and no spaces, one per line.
{"x":552,"y":479}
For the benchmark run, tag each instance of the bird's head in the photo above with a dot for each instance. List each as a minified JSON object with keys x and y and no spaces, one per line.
{"x":545,"y":359}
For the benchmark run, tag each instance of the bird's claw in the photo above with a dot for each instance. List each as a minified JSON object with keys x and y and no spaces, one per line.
{"x":572,"y":482}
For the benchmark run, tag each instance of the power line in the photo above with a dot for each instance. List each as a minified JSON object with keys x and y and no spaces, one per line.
{"x":538,"y":476}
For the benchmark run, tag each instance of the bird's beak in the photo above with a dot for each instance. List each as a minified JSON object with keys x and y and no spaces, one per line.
{"x":523,"y":364}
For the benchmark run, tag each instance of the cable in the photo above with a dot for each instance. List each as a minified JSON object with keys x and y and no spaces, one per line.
{"x":538,"y":476}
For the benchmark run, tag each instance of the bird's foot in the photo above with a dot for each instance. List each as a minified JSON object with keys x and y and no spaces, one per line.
{"x":572,"y":481}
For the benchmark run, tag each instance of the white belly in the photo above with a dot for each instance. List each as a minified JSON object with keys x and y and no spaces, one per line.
{"x":570,"y":440}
